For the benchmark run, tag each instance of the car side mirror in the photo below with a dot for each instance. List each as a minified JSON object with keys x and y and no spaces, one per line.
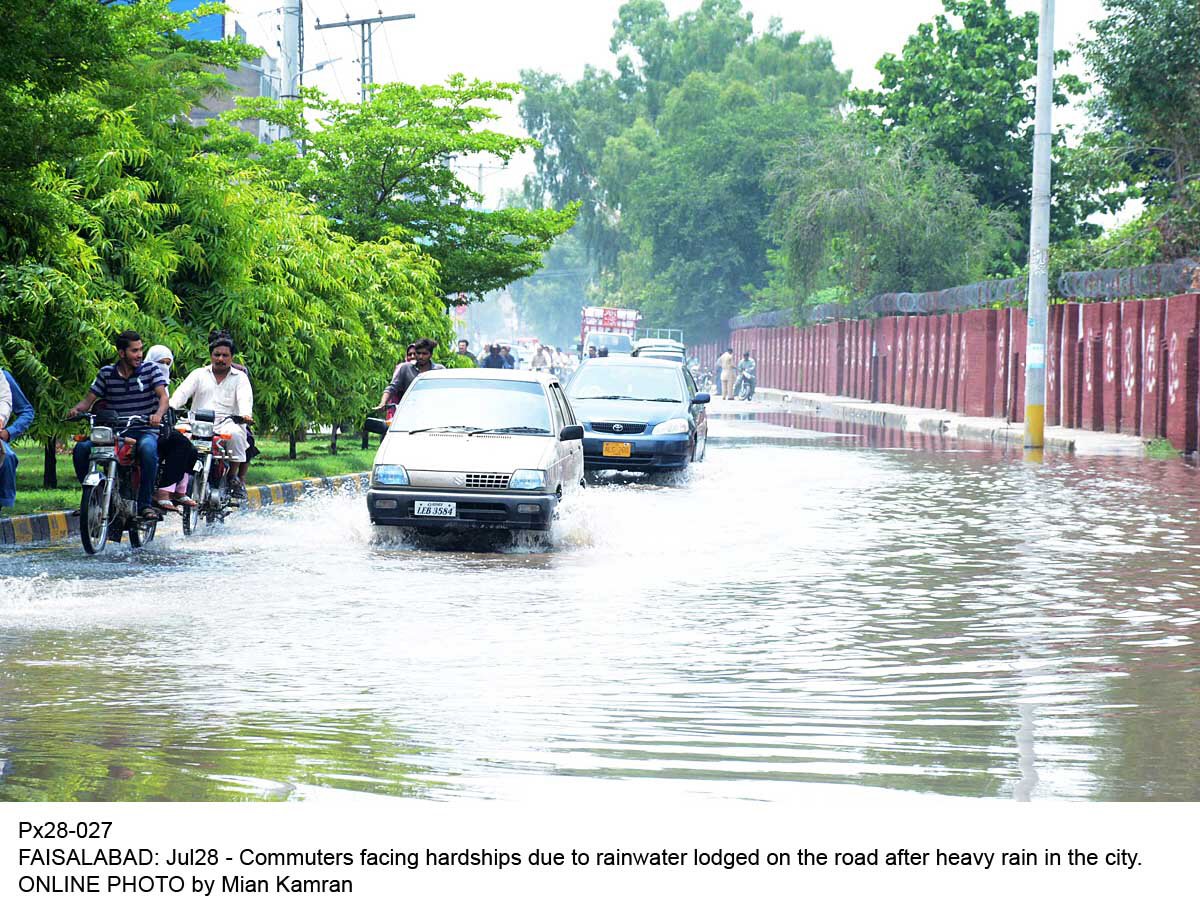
{"x":701,"y":399}
{"x":375,"y":424}
{"x":571,"y":433}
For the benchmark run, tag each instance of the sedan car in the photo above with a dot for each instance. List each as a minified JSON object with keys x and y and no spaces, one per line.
{"x":477,"y":448}
{"x":639,"y":414}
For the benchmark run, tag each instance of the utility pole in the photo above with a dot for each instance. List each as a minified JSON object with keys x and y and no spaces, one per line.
{"x":1039,"y":238}
{"x":366,"y":28}
{"x":292,"y":48}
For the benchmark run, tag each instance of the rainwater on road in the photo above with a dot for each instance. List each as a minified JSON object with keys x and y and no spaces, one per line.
{"x":848,"y":609}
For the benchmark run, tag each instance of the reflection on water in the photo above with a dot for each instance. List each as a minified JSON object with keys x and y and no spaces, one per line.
{"x":855,"y":612}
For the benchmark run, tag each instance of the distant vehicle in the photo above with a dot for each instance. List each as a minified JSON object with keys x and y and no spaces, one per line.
{"x":609,"y":328}
{"x":472,"y":448}
{"x":658,"y":348}
{"x":639,"y":414}
{"x":615,"y":343}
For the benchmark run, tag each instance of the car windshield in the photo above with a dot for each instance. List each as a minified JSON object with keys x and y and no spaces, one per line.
{"x":613,"y":342}
{"x":469,"y":404}
{"x":601,"y":379}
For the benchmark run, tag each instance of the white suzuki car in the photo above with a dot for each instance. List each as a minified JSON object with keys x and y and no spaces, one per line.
{"x":473,"y":448}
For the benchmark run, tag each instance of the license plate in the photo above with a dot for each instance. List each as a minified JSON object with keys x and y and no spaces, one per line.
{"x":616,"y":449}
{"x":435,"y":509}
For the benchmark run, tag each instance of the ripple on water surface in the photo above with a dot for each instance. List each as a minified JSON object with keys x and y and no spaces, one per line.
{"x":955,"y":622}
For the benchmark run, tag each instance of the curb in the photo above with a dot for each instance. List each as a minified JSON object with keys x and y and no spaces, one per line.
{"x":55,"y":526}
{"x":955,"y":425}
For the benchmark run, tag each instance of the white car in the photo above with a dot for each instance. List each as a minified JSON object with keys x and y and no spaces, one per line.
{"x":477,"y":448}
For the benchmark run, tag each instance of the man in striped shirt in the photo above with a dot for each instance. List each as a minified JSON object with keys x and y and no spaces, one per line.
{"x":130,"y":386}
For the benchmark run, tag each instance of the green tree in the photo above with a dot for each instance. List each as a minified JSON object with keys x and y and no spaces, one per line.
{"x":965,"y":82}
{"x":386,"y":168}
{"x":876,"y":216}
{"x":549,"y":302}
{"x":1147,"y":65}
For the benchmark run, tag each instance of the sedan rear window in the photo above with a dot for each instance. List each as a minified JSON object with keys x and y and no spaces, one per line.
{"x":605,"y":379}
{"x":472,"y":404}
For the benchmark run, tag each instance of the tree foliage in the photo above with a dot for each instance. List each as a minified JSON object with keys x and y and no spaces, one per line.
{"x":122,"y":218}
{"x":669,"y":155}
{"x":965,"y":83}
{"x":386,"y":168}
{"x":875,"y":216}
{"x":1146,"y":60}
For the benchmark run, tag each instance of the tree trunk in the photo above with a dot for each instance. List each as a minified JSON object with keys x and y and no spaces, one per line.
{"x":50,"y":465}
{"x":291,"y":445}
{"x":302,"y":435}
{"x":333,"y":440}
{"x":366,"y":438}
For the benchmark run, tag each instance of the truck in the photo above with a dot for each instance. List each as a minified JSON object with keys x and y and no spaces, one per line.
{"x":608,"y":328}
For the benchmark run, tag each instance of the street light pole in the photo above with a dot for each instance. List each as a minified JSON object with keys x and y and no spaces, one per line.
{"x":1039,"y":238}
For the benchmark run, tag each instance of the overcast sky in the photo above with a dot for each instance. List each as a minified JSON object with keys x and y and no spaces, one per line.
{"x":493,"y":40}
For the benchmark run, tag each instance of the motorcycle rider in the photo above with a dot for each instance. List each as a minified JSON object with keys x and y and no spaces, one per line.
{"x":130,"y":386}
{"x":747,"y":376}
{"x":226,"y":391}
{"x":493,"y":359}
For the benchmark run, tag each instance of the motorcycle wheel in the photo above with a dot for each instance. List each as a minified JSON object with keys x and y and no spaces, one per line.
{"x":198,"y":492}
{"x":140,"y":535}
{"x":93,"y":519}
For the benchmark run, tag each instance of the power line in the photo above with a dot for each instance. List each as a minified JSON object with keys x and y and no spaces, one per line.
{"x":366,"y":32}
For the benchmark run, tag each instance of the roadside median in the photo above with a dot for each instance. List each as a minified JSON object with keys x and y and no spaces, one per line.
{"x":55,"y":526}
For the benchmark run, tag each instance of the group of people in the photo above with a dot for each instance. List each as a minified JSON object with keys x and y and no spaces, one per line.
{"x":136,"y":384}
{"x":736,"y":378}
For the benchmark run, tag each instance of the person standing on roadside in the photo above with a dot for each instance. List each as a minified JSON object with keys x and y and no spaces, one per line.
{"x":727,"y":374}
{"x":18,"y":415}
{"x":465,"y":351}
{"x":407,"y":372}
{"x":131,"y":386}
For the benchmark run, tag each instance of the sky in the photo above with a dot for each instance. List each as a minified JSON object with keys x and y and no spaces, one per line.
{"x":495,"y":41}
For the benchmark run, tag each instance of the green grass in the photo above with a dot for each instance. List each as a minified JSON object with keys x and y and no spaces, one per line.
{"x":272,"y":465}
{"x":1161,"y":449}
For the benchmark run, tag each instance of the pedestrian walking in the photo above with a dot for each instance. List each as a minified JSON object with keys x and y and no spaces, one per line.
{"x":728,"y":373}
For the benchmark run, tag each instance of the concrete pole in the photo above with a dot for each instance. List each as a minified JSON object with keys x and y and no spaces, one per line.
{"x":1039,"y":238}
{"x":291,"y":47}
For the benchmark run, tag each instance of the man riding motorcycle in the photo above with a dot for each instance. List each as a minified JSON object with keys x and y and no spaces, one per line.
{"x":747,"y":377}
{"x":130,"y":386}
{"x":226,"y":391}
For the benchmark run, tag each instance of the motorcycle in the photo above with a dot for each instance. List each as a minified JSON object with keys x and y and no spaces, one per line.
{"x":108,"y":506}
{"x":743,"y":388}
{"x":212,"y":473}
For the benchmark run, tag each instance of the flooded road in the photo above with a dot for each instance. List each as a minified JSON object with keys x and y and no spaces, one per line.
{"x":860,"y":610}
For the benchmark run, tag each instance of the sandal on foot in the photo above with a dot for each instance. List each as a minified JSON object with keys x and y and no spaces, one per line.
{"x":150,"y":514}
{"x":164,"y":504}
{"x":185,"y":501}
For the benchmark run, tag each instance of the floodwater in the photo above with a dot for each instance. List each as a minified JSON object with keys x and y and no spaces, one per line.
{"x":868,"y":610}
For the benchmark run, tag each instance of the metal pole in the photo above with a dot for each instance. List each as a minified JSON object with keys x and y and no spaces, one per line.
{"x":367,"y":57}
{"x":1039,"y":238}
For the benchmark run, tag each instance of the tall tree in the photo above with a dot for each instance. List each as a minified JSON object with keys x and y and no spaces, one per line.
{"x":965,"y":82}
{"x":1146,"y":60}
{"x":386,"y":168}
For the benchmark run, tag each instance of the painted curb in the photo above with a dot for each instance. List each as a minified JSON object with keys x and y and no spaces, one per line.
{"x":54,"y":526}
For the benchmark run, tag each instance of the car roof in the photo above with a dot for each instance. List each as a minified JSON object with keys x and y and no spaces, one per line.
{"x":656,"y":343}
{"x":626,"y":359}
{"x":492,"y":374}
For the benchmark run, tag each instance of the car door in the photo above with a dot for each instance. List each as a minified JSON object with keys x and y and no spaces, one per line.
{"x":571,"y":451}
{"x":699,"y":413}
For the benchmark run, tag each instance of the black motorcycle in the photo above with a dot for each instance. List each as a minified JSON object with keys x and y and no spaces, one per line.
{"x":108,"y":506}
{"x":211,"y":476}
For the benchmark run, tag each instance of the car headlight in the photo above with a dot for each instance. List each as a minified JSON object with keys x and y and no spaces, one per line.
{"x":671,"y":427}
{"x":528,"y":479}
{"x":389,"y":475}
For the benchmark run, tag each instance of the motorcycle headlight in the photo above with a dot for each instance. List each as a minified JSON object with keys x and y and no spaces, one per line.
{"x":389,"y":474}
{"x":103,"y":436}
{"x":671,"y":427}
{"x":202,"y":429}
{"x":528,"y":479}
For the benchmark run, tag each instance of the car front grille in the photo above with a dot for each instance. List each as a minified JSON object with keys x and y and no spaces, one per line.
{"x":619,"y":428}
{"x":488,"y":480}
